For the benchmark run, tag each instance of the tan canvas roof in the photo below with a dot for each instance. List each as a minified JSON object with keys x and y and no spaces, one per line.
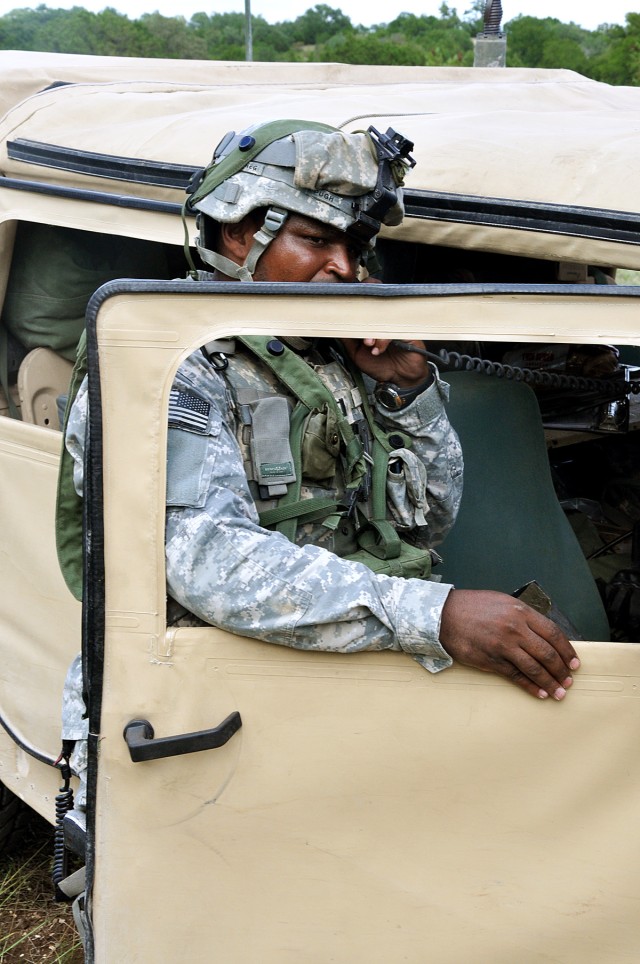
{"x":551,"y":137}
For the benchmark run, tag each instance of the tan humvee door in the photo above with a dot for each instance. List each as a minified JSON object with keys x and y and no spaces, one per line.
{"x":365,"y":811}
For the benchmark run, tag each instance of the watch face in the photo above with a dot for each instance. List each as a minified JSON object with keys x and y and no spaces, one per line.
{"x":389,"y":396}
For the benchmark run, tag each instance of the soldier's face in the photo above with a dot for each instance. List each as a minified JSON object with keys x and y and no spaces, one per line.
{"x":307,"y":250}
{"x":304,"y":250}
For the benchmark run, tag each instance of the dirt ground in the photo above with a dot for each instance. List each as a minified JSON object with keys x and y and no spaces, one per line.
{"x":34,"y":928}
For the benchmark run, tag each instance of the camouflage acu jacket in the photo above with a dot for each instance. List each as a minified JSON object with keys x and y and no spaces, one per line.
{"x":227,"y":570}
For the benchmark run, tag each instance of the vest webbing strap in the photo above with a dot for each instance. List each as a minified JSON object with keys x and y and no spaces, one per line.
{"x":306,"y":510}
{"x":379,"y":537}
{"x":381,"y":448}
{"x":376,"y":535}
{"x":291,"y":506}
{"x":293,"y":372}
{"x":312,"y":394}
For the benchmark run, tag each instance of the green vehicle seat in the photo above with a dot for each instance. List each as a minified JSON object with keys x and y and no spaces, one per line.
{"x":511,"y":528}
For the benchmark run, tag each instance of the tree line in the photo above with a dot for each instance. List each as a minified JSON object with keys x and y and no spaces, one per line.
{"x":323,"y":33}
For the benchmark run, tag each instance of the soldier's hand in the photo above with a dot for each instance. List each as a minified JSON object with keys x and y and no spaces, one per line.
{"x":496,"y":633}
{"x":382,"y":360}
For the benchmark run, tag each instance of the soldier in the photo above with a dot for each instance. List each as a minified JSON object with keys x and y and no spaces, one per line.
{"x":309,"y":481}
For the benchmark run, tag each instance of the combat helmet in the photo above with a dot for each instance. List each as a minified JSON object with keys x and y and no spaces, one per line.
{"x":351,"y":181}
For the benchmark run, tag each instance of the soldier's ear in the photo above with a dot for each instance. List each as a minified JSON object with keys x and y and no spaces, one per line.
{"x":236,"y":239}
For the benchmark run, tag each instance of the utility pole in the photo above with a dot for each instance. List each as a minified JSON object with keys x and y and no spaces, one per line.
{"x":248,"y":36}
{"x":490,"y":46}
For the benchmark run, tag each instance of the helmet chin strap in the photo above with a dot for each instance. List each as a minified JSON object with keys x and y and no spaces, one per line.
{"x":263,"y":237}
{"x":229,"y":268}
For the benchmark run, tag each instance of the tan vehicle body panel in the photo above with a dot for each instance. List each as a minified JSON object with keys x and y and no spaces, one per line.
{"x":365,"y":811}
{"x":531,"y":135}
{"x":43,"y":632}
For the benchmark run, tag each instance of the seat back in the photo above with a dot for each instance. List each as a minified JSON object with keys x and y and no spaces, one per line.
{"x":511,"y":528}
{"x":43,"y":377}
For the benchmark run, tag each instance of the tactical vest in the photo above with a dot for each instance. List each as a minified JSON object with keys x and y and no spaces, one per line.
{"x":316,"y":460}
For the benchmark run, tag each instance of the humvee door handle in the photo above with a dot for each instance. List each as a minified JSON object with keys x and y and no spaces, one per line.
{"x":138,"y":735}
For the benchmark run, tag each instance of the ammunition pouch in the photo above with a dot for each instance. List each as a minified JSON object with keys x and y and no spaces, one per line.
{"x":410,"y":563}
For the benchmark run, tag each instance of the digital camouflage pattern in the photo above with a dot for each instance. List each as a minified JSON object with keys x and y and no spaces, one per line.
{"x":226,"y":570}
{"x":311,"y":172}
{"x":75,"y":726}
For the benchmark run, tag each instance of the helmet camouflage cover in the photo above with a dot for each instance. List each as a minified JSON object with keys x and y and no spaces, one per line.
{"x":350,"y":181}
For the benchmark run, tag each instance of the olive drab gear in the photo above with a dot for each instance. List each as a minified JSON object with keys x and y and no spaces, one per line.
{"x":318,"y":434}
{"x":350,"y":181}
{"x":69,"y":508}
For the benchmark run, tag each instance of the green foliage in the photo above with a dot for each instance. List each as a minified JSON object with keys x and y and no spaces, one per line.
{"x":74,"y":31}
{"x":221,"y":36}
{"x":369,"y":49}
{"x":319,"y":24}
{"x":444,"y":42}
{"x":171,"y":37}
{"x":619,"y":61}
{"x":323,"y":33}
{"x":547,"y":43}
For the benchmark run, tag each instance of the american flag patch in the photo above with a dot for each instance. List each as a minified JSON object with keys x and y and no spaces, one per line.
{"x":188,"y":411}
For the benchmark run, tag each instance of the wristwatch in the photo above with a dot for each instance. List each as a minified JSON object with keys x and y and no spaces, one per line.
{"x":395,"y":398}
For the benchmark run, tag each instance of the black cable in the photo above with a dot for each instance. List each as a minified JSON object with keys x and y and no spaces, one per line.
{"x":64,"y":803}
{"x":611,"y":388}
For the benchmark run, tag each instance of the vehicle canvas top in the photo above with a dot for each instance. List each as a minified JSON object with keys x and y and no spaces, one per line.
{"x":485,"y":141}
{"x":24,"y":72}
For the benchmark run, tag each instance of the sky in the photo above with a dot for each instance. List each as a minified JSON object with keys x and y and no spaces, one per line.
{"x":586,"y":13}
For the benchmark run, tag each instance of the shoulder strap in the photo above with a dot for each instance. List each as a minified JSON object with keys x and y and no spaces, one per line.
{"x":377,"y":534}
{"x":292,"y":371}
{"x":312,"y":394}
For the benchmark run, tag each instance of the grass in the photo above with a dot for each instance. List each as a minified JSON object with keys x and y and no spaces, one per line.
{"x":34,"y":928}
